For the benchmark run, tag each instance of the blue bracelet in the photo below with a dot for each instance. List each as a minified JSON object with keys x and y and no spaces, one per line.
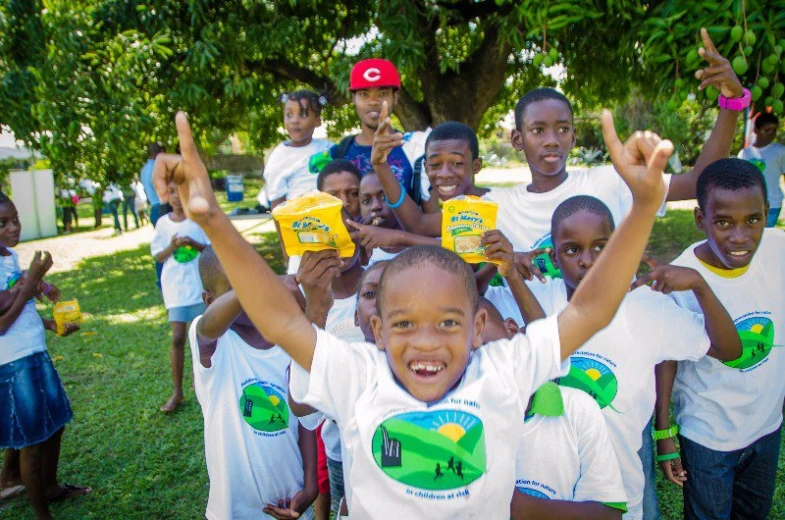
{"x":400,"y":201}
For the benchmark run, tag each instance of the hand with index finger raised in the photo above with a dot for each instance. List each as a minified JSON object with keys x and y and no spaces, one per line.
{"x":640,"y":166}
{"x":719,"y":73}
{"x":384,"y":139}
{"x":189,"y":173}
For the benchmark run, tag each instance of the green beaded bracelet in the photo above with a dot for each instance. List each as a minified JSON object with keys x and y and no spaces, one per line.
{"x":659,"y":435}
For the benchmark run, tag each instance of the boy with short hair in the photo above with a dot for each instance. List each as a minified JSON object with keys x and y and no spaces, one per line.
{"x":769,"y":156}
{"x":259,"y":458}
{"x":729,"y":414}
{"x":427,"y":390}
{"x":565,"y":466}
{"x":616,"y":366}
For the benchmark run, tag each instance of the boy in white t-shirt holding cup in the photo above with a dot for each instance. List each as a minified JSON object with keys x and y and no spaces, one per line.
{"x":428,"y":391}
{"x":729,"y":414}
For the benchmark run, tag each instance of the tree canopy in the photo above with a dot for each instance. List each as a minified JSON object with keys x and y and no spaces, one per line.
{"x":91,"y":82}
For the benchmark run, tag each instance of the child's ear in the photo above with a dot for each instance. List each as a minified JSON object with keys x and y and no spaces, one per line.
{"x":319,"y":122}
{"x":207,"y":297}
{"x":376,"y":325}
{"x":699,"y":216}
{"x":516,"y":139}
{"x":512,"y":327}
{"x":480,"y":319}
{"x":574,"y":138}
{"x":477,"y":165}
{"x":555,"y":261}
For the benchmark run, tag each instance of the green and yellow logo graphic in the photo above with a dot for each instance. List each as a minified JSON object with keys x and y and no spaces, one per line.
{"x":543,"y":261}
{"x":264,"y":408}
{"x":760,"y":163}
{"x":593,"y":377}
{"x":185,"y":254}
{"x":757,"y":339}
{"x":13,"y":280}
{"x":436,"y":451}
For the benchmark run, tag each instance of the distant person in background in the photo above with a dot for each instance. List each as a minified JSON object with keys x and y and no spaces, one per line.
{"x":769,"y":156}
{"x":140,"y":200}
{"x":68,"y":201}
{"x":129,"y":204}
{"x":113,"y":197}
{"x":146,"y":176}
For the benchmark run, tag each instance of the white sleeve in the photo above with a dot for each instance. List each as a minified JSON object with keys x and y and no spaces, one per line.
{"x":161,"y":237}
{"x":312,"y":421}
{"x":338,"y":376}
{"x":600,"y":479}
{"x":274,"y":174}
{"x":536,"y":356}
{"x":680,"y":333}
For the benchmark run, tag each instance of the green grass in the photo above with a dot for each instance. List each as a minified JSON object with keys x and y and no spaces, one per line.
{"x":143,"y":464}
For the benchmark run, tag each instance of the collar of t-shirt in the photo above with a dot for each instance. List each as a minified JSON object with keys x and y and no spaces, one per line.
{"x":547,"y":401}
{"x":725,"y":273}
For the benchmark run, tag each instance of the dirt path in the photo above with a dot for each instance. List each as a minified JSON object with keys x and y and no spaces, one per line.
{"x":68,"y":250}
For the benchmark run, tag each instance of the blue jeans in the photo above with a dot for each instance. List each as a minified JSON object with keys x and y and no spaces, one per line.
{"x":735,"y":484}
{"x":155,"y":214}
{"x":113,"y":208}
{"x":646,"y":453}
{"x":773,"y":217}
{"x":335,"y":469}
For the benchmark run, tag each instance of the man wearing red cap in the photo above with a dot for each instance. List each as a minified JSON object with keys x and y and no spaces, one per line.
{"x":372,"y":82}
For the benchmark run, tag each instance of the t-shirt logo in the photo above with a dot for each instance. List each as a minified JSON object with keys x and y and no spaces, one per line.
{"x":593,"y":377}
{"x":13,"y":279}
{"x":533,"y":492}
{"x":543,"y":261}
{"x":436,"y":451}
{"x":264,"y":408}
{"x":757,"y":340}
{"x":185,"y":254}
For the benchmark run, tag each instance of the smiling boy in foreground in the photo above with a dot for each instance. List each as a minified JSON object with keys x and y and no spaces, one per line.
{"x":426,"y":414}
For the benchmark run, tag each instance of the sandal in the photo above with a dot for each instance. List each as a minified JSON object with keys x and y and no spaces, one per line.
{"x":70,"y":491}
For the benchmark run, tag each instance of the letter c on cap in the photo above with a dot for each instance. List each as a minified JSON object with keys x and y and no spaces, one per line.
{"x":372,"y":75}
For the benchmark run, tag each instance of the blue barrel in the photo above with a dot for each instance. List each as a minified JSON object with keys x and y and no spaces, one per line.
{"x":234,"y":188}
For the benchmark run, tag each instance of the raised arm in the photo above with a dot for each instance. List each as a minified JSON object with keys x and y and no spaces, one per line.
{"x":720,"y":75}
{"x":640,"y":162}
{"x":219,"y":316}
{"x":409,"y":214}
{"x":498,"y":247}
{"x":253,"y":280}
{"x":26,"y":289}
{"x":725,"y":341}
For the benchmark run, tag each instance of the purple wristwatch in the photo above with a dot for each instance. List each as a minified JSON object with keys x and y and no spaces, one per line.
{"x":737,"y":104}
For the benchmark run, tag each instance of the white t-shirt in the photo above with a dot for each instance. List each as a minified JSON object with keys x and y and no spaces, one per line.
{"x":616,"y":366}
{"x":725,"y":408}
{"x":113,"y":192}
{"x":286,"y":173}
{"x":180,"y":282}
{"x":566,"y":452}
{"x":379,"y":255}
{"x":26,"y":335}
{"x":399,"y":447}
{"x":250,"y":435}
{"x":525,"y":217}
{"x":340,"y":323}
{"x":771,"y":161}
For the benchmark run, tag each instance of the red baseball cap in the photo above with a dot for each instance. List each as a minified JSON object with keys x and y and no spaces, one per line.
{"x":374,"y":72}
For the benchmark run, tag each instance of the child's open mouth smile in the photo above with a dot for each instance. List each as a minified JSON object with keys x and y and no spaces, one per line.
{"x":426,"y":370}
